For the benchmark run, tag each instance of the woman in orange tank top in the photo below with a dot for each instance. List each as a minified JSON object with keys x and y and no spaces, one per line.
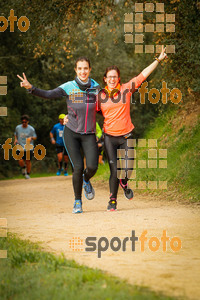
{"x":114,"y":102}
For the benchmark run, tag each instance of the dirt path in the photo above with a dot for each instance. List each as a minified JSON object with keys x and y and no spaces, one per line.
{"x":40,"y":209}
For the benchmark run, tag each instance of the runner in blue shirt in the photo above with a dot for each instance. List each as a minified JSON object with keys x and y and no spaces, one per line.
{"x":57,"y":131}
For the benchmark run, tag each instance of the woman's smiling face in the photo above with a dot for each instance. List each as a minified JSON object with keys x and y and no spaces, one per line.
{"x":83,"y":70}
{"x":112,"y":79}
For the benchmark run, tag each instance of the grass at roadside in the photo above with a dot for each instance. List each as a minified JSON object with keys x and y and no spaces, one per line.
{"x":30,"y":273}
{"x":103,"y":173}
{"x":182,"y":142}
{"x":33,"y":175}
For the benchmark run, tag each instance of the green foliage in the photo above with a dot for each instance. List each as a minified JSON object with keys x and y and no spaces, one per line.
{"x":183,"y":148}
{"x":30,"y":273}
{"x":103,"y":173}
{"x":61,"y":31}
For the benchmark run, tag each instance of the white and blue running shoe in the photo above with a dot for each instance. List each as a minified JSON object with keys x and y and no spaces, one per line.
{"x":77,"y":207}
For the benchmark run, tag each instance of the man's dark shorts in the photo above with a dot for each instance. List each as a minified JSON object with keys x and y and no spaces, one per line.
{"x":24,"y":156}
{"x":61,"y":149}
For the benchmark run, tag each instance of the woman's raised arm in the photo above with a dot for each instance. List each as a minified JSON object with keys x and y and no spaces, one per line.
{"x":147,"y":71}
{"x":50,"y":94}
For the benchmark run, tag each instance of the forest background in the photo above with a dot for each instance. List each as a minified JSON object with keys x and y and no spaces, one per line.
{"x":60,"y":32}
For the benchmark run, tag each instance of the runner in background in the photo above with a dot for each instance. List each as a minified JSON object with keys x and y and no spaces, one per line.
{"x":25,"y":133}
{"x":118,"y":127}
{"x":57,"y":131}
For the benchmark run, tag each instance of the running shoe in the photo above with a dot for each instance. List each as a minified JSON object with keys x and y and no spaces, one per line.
{"x":112,"y":205}
{"x":27,"y":176}
{"x":59,"y":172}
{"x":65,"y":173}
{"x":23,"y":171}
{"x":127,"y":192}
{"x":77,"y":207}
{"x":88,"y":190}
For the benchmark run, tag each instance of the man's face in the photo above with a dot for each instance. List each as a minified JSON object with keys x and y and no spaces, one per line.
{"x":61,"y":121}
{"x":24,"y":123}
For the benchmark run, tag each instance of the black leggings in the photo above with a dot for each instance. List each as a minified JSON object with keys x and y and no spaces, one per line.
{"x":112,"y":144}
{"x":74,"y":142}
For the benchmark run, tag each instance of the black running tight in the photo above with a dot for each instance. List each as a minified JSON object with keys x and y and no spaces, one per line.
{"x":74,"y":142}
{"x":112,"y":144}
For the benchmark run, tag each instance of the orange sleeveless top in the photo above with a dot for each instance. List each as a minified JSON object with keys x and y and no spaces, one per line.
{"x":116,"y":110}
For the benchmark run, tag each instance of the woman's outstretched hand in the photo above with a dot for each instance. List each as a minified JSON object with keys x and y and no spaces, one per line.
{"x":163,"y":54}
{"x":24,"y":82}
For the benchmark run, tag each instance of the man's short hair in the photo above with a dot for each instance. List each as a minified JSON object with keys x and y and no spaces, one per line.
{"x":25,"y":117}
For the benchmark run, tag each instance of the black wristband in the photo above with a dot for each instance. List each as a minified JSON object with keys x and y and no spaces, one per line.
{"x":31,"y":89}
